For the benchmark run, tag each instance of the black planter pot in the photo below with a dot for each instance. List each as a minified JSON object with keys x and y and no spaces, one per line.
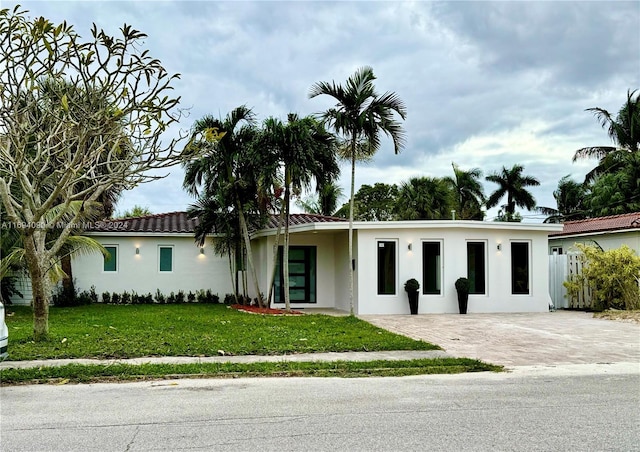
{"x":463,"y":300}
{"x":413,"y":301}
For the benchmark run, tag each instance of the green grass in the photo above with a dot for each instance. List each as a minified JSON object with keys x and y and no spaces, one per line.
{"x":75,"y":373}
{"x":109,"y":331}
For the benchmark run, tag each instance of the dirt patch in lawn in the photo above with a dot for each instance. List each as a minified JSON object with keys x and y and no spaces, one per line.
{"x":267,"y":311}
{"x":621,"y":316}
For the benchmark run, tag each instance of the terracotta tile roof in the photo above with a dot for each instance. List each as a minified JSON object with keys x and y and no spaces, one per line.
{"x":179,"y":222}
{"x":172,"y":222}
{"x":602,"y":224}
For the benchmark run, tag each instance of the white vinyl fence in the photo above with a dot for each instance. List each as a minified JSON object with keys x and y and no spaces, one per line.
{"x":561,"y":268}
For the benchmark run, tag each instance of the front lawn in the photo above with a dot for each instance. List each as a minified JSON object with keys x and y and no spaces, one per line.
{"x":129,"y":331}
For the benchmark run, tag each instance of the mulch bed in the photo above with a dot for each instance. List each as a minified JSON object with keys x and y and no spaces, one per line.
{"x":267,"y":311}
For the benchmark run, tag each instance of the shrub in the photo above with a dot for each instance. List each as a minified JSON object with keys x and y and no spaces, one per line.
{"x":191,"y":297}
{"x":412,"y":285}
{"x":115,"y":298}
{"x":612,"y":275}
{"x":69,"y":296}
{"x":181,"y":297}
{"x":171,"y":299}
{"x":462,"y":286}
{"x":106,"y":297}
{"x":125,"y":297}
{"x":160,"y":298}
{"x":146,"y":299}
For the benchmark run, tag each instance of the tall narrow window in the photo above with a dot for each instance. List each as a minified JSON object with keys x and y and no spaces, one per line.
{"x":166,"y":258}
{"x":111,"y":261}
{"x":386,"y":268}
{"x":520,"y":268}
{"x":302,"y":275}
{"x":431,"y":268}
{"x":476,"y":272}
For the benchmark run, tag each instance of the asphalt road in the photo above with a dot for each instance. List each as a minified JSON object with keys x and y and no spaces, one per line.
{"x":563,"y":408}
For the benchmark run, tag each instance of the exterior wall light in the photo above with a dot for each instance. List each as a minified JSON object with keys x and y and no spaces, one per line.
{"x":201,"y":250}
{"x":137,"y":250}
{"x":410,"y":247}
{"x":499,"y":246}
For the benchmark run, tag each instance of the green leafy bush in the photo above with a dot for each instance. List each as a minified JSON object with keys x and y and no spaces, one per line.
{"x":612,"y":275}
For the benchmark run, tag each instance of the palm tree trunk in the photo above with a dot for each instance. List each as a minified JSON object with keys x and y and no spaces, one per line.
{"x":231,"y":274}
{"x":275,"y":255}
{"x":247,"y":240}
{"x":352,"y":266}
{"x":285,"y":253}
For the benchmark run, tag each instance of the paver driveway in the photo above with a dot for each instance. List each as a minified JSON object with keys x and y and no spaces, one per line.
{"x":562,"y":337}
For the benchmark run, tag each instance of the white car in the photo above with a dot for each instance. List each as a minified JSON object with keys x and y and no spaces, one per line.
{"x":4,"y":335}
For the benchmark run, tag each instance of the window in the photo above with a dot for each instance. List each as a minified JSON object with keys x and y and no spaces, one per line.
{"x":431,"y":268}
{"x":166,"y":258}
{"x":111,"y":261}
{"x":386,"y":268}
{"x":302,"y":275}
{"x":476,"y":272}
{"x":520,"y":268}
{"x":556,"y":250}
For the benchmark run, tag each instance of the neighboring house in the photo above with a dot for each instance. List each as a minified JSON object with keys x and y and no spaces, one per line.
{"x":608,"y":232}
{"x":506,"y":262}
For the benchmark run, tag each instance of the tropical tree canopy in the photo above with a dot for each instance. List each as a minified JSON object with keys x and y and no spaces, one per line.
{"x":469,"y":194}
{"x":623,"y":129}
{"x":512,"y":183}
{"x":61,"y":150}
{"x":224,"y":175}
{"x":570,"y":199}
{"x":373,"y":203}
{"x":361,"y":116}
{"x":424,"y":198}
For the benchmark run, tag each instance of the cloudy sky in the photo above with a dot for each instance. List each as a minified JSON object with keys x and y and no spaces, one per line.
{"x":487,"y":84}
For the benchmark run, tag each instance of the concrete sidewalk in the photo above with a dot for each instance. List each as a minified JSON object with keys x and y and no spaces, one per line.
{"x":302,"y":357}
{"x":526,"y":339}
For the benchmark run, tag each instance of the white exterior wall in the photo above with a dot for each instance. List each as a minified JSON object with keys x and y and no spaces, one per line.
{"x":325,"y":266}
{"x":498,"y":297}
{"x":607,"y":240}
{"x":140,"y":273}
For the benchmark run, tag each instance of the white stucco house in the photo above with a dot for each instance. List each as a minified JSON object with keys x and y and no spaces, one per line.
{"x":506,"y":263}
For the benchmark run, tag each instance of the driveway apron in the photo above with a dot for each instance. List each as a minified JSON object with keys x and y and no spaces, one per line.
{"x":523,"y":339}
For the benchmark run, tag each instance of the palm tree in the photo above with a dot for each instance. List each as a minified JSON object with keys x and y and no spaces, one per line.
{"x":570,"y":200}
{"x":306,"y":151}
{"x":512,"y":183}
{"x":468,"y":192}
{"x":361,"y":115}
{"x":624,"y":131}
{"x":324,"y":202}
{"x":424,"y":198}
{"x":223,"y":167}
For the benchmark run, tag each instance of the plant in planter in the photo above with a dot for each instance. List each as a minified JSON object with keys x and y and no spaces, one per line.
{"x":462,"y":287}
{"x":412,"y":287}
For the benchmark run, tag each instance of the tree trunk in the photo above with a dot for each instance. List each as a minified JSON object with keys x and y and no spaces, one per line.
{"x":68,"y":288}
{"x":275,"y":256}
{"x":234,"y":285}
{"x":36,"y":265}
{"x":247,"y":240}
{"x":351,"y":204}
{"x":285,"y":253}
